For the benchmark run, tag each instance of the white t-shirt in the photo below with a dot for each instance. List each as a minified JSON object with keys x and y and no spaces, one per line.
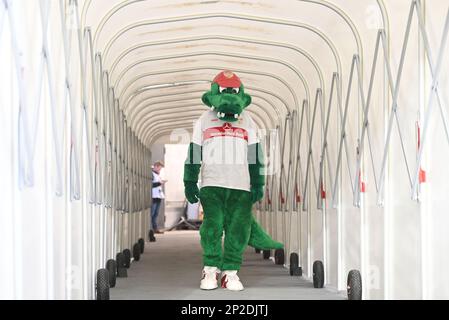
{"x":157,"y":192}
{"x":225,"y":150}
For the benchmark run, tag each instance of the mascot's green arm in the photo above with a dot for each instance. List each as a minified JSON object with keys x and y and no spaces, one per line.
{"x":192,"y":168}
{"x":256,"y":165}
{"x":192,"y":164}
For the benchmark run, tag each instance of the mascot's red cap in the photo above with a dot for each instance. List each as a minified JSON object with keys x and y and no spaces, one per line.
{"x":228,"y":79}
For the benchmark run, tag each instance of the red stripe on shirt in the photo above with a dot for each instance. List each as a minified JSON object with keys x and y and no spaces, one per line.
{"x":227,"y":130}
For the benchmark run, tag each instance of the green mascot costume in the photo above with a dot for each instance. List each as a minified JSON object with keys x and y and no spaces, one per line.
{"x":226,"y":150}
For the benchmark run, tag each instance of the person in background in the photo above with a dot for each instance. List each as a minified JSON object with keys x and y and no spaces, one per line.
{"x":157,"y":194}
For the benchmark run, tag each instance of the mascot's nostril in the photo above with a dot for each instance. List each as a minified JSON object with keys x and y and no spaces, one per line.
{"x":229,"y":109}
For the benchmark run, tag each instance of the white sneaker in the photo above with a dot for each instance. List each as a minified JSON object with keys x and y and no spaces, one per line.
{"x":231,"y":281}
{"x":210,"y":278}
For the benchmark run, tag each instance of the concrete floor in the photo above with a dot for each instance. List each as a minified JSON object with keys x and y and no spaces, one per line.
{"x":171,"y":268}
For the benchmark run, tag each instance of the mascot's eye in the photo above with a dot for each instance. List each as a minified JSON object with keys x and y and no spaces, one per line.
{"x":229,"y":90}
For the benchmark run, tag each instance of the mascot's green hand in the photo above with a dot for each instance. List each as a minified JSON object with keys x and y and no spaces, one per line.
{"x":191,"y":191}
{"x":256,"y":193}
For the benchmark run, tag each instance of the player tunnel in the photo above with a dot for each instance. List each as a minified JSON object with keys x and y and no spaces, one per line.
{"x":350,"y":98}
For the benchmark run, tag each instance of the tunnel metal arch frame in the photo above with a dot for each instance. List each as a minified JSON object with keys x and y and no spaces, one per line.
{"x":316,"y":31}
{"x":334,"y":10}
{"x":383,"y":15}
{"x":310,"y":28}
{"x":125,"y":96}
{"x":283,"y":102}
{"x":198,"y":113}
{"x":329,"y":5}
{"x":227,"y":38}
{"x":208,"y":53}
{"x":207,"y":68}
{"x":315,"y":178}
{"x":148,"y":115}
{"x":144,"y":103}
{"x":238,"y":56}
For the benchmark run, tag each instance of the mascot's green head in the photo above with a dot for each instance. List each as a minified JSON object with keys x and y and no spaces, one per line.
{"x":227,"y":96}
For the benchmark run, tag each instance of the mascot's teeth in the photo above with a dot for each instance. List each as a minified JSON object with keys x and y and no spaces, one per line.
{"x":212,"y":108}
{"x":236,"y":116}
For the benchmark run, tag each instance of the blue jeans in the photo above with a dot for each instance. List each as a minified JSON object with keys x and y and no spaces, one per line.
{"x":155,"y":212}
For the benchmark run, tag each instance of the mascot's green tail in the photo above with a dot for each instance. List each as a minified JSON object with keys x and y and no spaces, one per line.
{"x":259,"y":239}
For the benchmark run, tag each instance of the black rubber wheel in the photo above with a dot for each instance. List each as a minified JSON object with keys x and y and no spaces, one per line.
{"x":121,"y":269}
{"x":102,"y":284}
{"x":257,"y":250}
{"x":295,"y":269}
{"x":266,"y":254}
{"x":111,"y":265}
{"x":354,"y":285}
{"x":127,"y":255}
{"x":151,"y":236}
{"x":297,"y":272}
{"x":141,"y":243}
{"x":318,"y":274}
{"x":279,"y":256}
{"x":136,"y":252}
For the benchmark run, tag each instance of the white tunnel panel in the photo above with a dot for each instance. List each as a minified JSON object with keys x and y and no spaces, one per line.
{"x":350,"y":96}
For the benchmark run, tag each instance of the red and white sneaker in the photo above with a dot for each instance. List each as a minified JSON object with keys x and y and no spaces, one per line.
{"x":210,"y":278}
{"x":231,"y":281}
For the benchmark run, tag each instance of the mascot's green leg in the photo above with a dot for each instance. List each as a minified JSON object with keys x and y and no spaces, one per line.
{"x":225,"y":210}
{"x":230,"y":211}
{"x":211,"y":230}
{"x":259,"y":239}
{"x":237,"y":226}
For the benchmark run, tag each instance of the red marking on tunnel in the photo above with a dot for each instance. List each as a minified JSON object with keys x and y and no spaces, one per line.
{"x":422,"y":173}
{"x":282,"y":199}
{"x":281,"y":196}
{"x":297,"y":195}
{"x":362,"y":184}
{"x":323,"y":192}
{"x":267,"y":192}
{"x":422,"y":176}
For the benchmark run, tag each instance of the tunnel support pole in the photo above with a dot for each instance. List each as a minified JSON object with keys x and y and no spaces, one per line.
{"x":290,"y":192}
{"x":321,"y":198}
{"x":282,"y":183}
{"x":318,"y":101}
{"x":324,"y":153}
{"x":343,"y":141}
{"x":310,"y":170}
{"x":293,"y":181}
{"x":436,"y":72}
{"x":300,"y":182}
{"x":394,"y":87}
